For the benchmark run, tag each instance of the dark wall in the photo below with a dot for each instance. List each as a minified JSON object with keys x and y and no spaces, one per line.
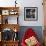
{"x":37,"y":29}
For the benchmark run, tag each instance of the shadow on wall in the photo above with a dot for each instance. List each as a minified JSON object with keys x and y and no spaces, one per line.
{"x":37,"y":29}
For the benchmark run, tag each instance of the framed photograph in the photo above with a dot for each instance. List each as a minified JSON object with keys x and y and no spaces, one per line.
{"x":13,"y":12}
{"x":5,"y":12}
{"x":30,"y":13}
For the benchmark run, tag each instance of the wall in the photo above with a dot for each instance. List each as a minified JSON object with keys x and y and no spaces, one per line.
{"x":44,"y":5}
{"x":31,"y":3}
{"x":26,"y":3}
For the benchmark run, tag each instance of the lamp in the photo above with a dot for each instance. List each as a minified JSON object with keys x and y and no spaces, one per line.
{"x":15,"y":34}
{"x":15,"y":30}
{"x":15,"y":3}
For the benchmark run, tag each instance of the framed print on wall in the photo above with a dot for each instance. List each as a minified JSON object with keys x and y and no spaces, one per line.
{"x":30,"y":13}
{"x":5,"y":12}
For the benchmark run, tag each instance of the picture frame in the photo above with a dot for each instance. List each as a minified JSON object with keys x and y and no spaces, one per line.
{"x":30,"y":13}
{"x":5,"y":12}
{"x":13,"y":12}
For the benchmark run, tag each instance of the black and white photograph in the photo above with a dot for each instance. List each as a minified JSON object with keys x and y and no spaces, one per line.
{"x":30,"y":13}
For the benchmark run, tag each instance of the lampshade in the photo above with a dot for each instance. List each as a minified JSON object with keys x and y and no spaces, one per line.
{"x":15,"y":30}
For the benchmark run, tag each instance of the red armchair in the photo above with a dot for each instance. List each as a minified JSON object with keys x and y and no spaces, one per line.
{"x":28,"y":34}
